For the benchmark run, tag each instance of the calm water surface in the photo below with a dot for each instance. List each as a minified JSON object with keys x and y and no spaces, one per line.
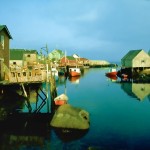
{"x":119,"y":114}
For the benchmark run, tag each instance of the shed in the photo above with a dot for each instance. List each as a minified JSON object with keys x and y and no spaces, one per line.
{"x":22,"y":57}
{"x":5,"y":36}
{"x":136,"y":58}
{"x":68,"y":60}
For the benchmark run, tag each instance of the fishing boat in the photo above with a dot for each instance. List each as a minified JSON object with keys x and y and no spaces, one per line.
{"x":74,"y":72}
{"x":112,"y":73}
{"x":61,"y":99}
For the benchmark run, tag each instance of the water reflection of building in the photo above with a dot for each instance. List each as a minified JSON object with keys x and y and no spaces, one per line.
{"x":137,"y":90}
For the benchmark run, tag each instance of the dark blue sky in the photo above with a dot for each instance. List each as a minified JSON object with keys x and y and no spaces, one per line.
{"x":95,"y":29}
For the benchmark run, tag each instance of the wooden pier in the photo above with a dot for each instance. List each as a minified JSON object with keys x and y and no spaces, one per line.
{"x":32,"y":126}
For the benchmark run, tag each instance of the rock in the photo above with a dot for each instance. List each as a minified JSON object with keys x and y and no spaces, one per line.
{"x":67,"y":116}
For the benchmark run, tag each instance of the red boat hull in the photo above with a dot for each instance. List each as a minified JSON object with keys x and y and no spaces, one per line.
{"x":74,"y":74}
{"x":60,"y":102}
{"x":111,"y":74}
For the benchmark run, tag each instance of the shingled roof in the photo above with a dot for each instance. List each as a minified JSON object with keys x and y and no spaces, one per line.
{"x":4,"y":27}
{"x":131,"y":54}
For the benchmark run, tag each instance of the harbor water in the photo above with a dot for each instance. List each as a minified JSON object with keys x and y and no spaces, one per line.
{"x":119,"y":114}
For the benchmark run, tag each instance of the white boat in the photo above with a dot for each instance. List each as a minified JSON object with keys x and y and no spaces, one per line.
{"x":61,"y":99}
{"x":54,"y":73}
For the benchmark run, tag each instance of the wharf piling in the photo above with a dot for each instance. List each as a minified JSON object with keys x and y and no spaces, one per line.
{"x":53,"y":92}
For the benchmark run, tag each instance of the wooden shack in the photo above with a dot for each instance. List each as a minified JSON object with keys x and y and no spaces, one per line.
{"x":136,"y":58}
{"x":134,"y":62}
{"x":69,"y":61}
{"x":4,"y":49}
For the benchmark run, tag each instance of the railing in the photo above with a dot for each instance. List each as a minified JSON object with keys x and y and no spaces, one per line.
{"x":18,"y":76}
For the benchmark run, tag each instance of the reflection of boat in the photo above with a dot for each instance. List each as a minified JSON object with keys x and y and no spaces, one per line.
{"x":74,"y":79}
{"x":113,"y":78}
{"x":61,"y":99}
{"x":112,"y":73}
{"x":74,"y":72}
{"x":124,"y":76}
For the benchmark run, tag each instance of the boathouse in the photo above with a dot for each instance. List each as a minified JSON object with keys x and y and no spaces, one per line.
{"x":136,"y":58}
{"x":22,"y":57}
{"x":82,"y":61}
{"x":68,"y":61}
{"x":5,"y":36}
{"x":134,"y":62}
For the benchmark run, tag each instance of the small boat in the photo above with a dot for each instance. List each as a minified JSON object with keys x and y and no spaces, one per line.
{"x":61,"y":99}
{"x":74,"y":72}
{"x":54,"y":73}
{"x":112,"y":73}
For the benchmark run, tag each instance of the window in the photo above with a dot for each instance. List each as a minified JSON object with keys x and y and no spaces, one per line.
{"x":142,"y":61}
{"x":14,"y":63}
{"x":2,"y":41}
{"x":19,"y":75}
{"x":28,"y":56}
{"x":24,"y":73}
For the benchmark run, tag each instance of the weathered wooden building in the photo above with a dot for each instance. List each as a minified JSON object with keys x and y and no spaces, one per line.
{"x":24,"y":67}
{"x":22,"y":57}
{"x":68,"y":61}
{"x":133,"y":63}
{"x":5,"y":36}
{"x":56,"y":55}
{"x":136,"y":58}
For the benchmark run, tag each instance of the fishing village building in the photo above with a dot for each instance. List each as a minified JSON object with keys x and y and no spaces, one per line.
{"x":134,"y":62}
{"x":5,"y":37}
{"x":22,"y":58}
{"x":25,"y":66}
{"x":68,"y":61}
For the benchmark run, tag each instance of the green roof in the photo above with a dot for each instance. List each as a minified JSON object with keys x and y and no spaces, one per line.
{"x":5,"y":27}
{"x":17,"y":54}
{"x":71,"y":58}
{"x":131,"y":54}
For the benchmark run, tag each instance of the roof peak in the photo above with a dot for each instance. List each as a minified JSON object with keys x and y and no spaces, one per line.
{"x":5,"y":27}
